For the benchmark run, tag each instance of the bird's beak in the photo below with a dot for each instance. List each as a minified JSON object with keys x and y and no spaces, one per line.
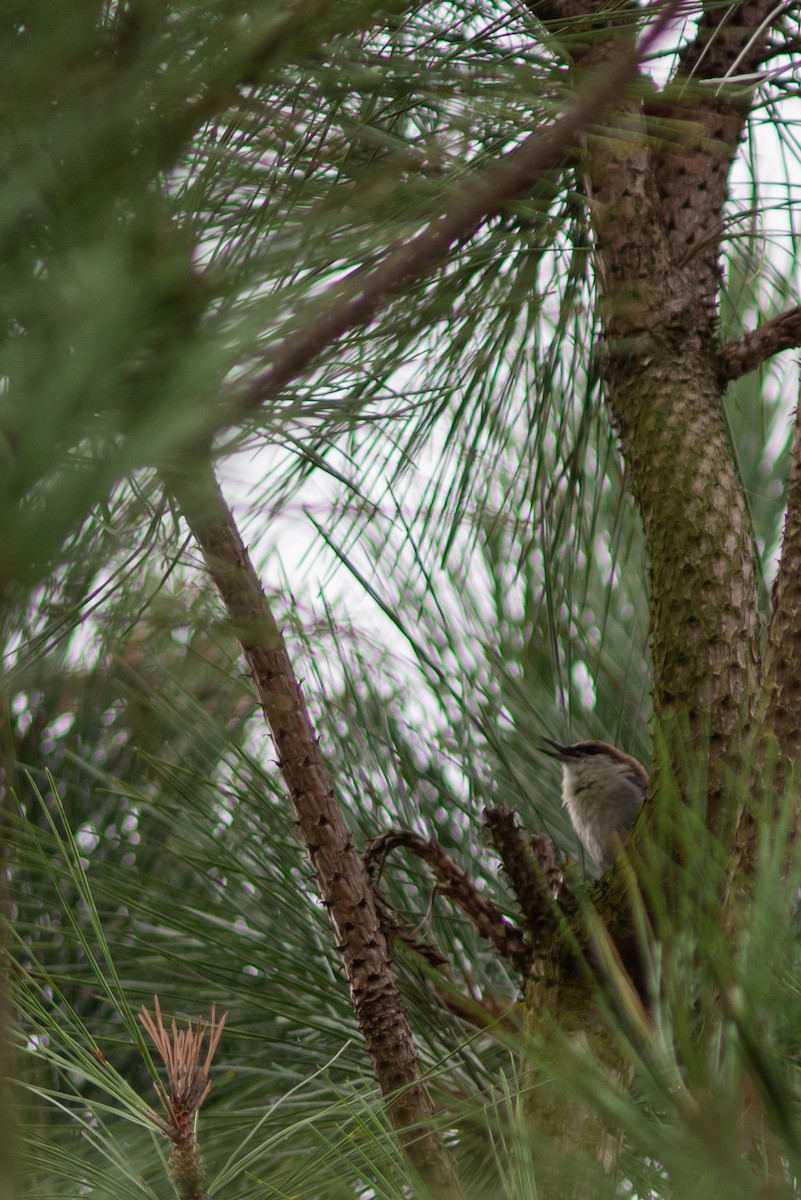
{"x":559,"y":751}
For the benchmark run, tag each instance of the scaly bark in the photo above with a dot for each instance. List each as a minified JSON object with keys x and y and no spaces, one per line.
{"x":782,"y":332}
{"x":704,"y":612}
{"x":656,"y":174}
{"x":782,"y":673}
{"x":656,"y":216}
{"x":698,"y":129}
{"x":343,"y":885}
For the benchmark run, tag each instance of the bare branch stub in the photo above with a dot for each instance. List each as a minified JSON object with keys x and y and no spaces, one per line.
{"x":533,"y":870}
{"x":456,"y":884}
{"x":755,"y":348}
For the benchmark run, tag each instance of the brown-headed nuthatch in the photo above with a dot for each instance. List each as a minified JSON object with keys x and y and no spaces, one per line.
{"x":602,"y":790}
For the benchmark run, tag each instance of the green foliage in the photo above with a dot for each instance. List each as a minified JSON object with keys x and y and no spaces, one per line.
{"x":183,"y":184}
{"x":213,"y":904}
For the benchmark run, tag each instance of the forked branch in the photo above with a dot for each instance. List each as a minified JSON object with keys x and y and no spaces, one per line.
{"x":456,"y":884}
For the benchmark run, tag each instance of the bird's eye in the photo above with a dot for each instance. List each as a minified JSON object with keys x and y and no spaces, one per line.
{"x":592,"y":749}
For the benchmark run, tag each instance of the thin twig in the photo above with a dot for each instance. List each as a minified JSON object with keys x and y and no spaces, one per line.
{"x":395,"y":927}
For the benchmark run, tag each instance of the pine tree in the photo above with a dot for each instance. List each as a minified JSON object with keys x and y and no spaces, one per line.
{"x":384,"y":389}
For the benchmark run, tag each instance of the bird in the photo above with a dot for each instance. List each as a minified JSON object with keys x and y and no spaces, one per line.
{"x":602,"y":790}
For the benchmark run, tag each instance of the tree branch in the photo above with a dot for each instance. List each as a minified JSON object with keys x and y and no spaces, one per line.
{"x":348,"y":306}
{"x":395,"y":926}
{"x":344,"y":887}
{"x":457,"y":885}
{"x":481,"y":1013}
{"x":750,"y":351}
{"x":532,"y":870}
